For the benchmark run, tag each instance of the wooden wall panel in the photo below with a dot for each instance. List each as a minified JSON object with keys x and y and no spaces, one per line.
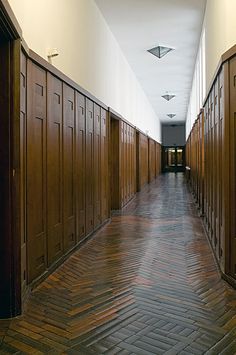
{"x":69,"y":166}
{"x":122,"y":134}
{"x":151,"y":160}
{"x":65,"y":184}
{"x":54,"y":169}
{"x":142,"y":160}
{"x":213,"y":170}
{"x":97,"y":166}
{"x":158,"y":159}
{"x":36,"y":171}
{"x":221,"y":167}
{"x":89,"y":166}
{"x":81,"y":166}
{"x":23,"y":171}
{"x":104,"y":166}
{"x":116,"y":167}
{"x":133,"y":161}
{"x":232,"y":167}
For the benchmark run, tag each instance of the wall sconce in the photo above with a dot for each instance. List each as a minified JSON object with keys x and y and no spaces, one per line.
{"x":52,"y":53}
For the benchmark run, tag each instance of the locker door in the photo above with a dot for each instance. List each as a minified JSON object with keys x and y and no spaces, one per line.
{"x":81,"y":165}
{"x":54,"y":169}
{"x":104,"y":165}
{"x":232,"y":166}
{"x":69,"y":166}
{"x":23,"y":172}
{"x":36,"y":171}
{"x":89,"y":166}
{"x":97,"y":165}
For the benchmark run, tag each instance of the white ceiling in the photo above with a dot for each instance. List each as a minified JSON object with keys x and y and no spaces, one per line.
{"x":139,"y":25}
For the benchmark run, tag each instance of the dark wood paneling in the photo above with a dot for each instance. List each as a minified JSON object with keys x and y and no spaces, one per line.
{"x":232,"y":171}
{"x":89,"y":166}
{"x":81,"y":165}
{"x":116,"y":183}
{"x":54,"y":169}
{"x":23,"y":93}
{"x":151,"y":160}
{"x":104,"y":166}
{"x":97,"y":165}
{"x":142,"y":160}
{"x":213,"y":168}
{"x":10,"y":179}
{"x":36,"y":171}
{"x":69,"y":166}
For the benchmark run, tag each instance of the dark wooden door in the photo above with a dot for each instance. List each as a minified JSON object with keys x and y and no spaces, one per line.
{"x":54,"y":169}
{"x":89,"y":166}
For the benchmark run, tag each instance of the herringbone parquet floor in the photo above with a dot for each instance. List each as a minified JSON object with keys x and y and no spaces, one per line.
{"x":147,"y":283}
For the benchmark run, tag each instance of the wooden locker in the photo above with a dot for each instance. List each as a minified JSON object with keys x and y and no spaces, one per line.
{"x":23,"y":93}
{"x":123,"y":163}
{"x":129,"y":162}
{"x":133,"y":162}
{"x":151,"y":159}
{"x":69,"y":166}
{"x":54,"y":169}
{"x":232,"y":166}
{"x":97,"y":166}
{"x":89,"y":166}
{"x":81,"y":166}
{"x":36,"y":171}
{"x":104,"y":166}
{"x":116,"y":173}
{"x":221,"y":167}
{"x":216,"y":167}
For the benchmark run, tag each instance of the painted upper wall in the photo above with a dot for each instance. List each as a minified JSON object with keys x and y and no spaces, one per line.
{"x":88,"y":53}
{"x":219,"y":27}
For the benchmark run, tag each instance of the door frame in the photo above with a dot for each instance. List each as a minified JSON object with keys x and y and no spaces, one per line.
{"x":10,"y":262}
{"x":175,"y":168}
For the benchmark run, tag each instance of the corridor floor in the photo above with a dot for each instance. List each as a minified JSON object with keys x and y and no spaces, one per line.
{"x":146,"y":283}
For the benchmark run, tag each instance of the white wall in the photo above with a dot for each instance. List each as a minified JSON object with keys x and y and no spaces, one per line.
{"x":88,"y":54}
{"x":220,"y":35}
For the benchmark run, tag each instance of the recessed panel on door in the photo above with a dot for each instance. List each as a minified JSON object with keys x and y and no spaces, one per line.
{"x":54,"y":169}
{"x":69,"y":166}
{"x":36,"y":171}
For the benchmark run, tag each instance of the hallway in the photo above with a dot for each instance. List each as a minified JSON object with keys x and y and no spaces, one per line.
{"x":147,"y":283}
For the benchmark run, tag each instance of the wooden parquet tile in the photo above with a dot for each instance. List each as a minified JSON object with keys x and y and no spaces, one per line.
{"x":146,"y":283}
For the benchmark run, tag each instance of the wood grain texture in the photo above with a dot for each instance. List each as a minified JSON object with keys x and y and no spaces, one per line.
{"x":55,"y":233}
{"x":36,"y":171}
{"x":81,"y":166}
{"x":151,"y":160}
{"x":142,"y":160}
{"x":23,"y":231}
{"x":121,"y":293}
{"x":69,"y":164}
{"x":212,"y":163}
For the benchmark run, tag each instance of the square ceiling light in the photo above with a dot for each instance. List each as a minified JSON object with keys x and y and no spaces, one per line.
{"x":168,"y":97}
{"x":160,"y":51}
{"x":171,"y":115}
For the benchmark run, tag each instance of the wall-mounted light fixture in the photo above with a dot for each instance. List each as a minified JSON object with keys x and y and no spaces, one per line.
{"x":171,"y":115}
{"x":52,"y":53}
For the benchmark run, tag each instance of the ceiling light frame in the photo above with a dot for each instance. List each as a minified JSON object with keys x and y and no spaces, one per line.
{"x":160,"y":51}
